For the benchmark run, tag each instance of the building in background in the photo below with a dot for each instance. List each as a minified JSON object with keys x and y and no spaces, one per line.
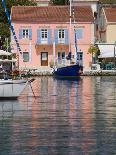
{"x":92,"y":3}
{"x":106,"y":34}
{"x":42,"y":2}
{"x":40,"y":30}
{"x":107,"y":25}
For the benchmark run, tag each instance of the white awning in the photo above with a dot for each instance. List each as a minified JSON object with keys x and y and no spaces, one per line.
{"x":106,"y":51}
{"x":2,"y":52}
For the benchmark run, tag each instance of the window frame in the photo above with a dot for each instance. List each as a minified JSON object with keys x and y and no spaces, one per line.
{"x":61,"y":36}
{"x":27,"y":58}
{"x":61,"y":56}
{"x":44,"y":35}
{"x":25,"y":33}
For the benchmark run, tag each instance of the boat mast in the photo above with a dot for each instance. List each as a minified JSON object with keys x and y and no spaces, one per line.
{"x":75,"y":37}
{"x":70,"y":26}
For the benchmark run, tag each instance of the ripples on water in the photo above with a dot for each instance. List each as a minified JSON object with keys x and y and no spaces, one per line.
{"x":66,"y":118}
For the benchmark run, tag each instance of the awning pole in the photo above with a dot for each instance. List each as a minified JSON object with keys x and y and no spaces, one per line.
{"x":114,"y":55}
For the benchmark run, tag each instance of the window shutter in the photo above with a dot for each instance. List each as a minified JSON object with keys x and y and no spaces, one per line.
{"x":20,"y":34}
{"x":30,"y":52}
{"x":56,"y":36}
{"x":49,"y":36}
{"x":66,"y":36}
{"x":39,"y":36}
{"x":79,"y":33}
{"x":30,"y":34}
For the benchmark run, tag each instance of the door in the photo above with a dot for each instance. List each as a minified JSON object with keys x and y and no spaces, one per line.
{"x":44,"y":58}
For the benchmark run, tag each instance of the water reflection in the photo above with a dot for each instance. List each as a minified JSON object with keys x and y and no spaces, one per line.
{"x":75,"y":117}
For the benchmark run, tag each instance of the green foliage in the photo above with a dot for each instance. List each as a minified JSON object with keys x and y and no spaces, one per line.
{"x":6,"y":44}
{"x":4,"y":27}
{"x":12,"y":56}
{"x":24,"y":2}
{"x":58,"y":2}
{"x":108,"y":1}
{"x":93,"y":49}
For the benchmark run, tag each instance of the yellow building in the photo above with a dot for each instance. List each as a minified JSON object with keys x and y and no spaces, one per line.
{"x":107,"y":35}
{"x":107,"y":25}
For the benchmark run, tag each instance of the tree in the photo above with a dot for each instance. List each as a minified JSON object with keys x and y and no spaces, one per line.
{"x":59,"y":2}
{"x":4,"y":27}
{"x":94,"y":51}
{"x":108,"y":1}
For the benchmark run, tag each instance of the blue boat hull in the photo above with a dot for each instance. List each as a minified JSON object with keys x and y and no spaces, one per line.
{"x":68,"y":71}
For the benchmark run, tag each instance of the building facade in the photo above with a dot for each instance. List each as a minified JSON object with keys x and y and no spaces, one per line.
{"x":92,"y":3}
{"x":107,"y":25}
{"x":45,"y":34}
{"x":42,"y":2}
{"x":106,"y":35}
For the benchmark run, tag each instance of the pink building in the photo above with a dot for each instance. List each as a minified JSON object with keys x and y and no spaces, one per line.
{"x":45,"y":34}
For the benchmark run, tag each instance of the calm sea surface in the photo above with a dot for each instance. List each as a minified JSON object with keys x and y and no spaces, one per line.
{"x":75,"y":117}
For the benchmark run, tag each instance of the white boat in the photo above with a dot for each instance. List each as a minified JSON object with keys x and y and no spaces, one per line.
{"x":9,"y":88}
{"x":12,"y":88}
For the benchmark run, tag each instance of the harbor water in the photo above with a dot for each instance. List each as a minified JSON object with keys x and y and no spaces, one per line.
{"x":66,"y":117}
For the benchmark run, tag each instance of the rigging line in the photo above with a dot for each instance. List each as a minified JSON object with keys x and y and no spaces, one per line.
{"x":11,"y":26}
{"x":12,"y":29}
{"x":75,"y":36}
{"x":14,"y":34}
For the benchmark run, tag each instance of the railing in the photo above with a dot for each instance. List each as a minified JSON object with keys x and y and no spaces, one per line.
{"x":109,"y":66}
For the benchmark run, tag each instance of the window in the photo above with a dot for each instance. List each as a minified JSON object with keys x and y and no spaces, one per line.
{"x":25,"y":33}
{"x":25,"y":56}
{"x":79,"y":33}
{"x":61,"y":57}
{"x":44,"y":56}
{"x":44,"y":35}
{"x":61,"y":36}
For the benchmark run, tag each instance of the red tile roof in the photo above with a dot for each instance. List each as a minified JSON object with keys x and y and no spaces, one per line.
{"x":49,"y":14}
{"x":110,"y":13}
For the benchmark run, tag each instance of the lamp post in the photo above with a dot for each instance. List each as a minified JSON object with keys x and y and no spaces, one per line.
{"x":114,"y":55}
